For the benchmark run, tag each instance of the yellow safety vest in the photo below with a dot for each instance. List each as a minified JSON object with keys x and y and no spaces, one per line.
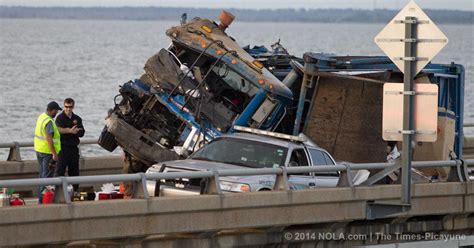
{"x":40,"y":142}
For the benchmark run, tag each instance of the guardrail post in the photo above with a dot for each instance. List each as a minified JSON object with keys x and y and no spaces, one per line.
{"x":14,"y":153}
{"x":345,"y":177}
{"x":79,"y":147}
{"x":61,"y":194}
{"x":465,"y":170}
{"x":461,"y":174}
{"x":212,"y":186}
{"x":281,"y":181}
{"x":139,"y":188}
{"x":81,"y":157}
{"x":454,"y":175}
{"x":157,"y":188}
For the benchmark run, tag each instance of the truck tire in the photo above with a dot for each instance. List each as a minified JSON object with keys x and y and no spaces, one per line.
{"x":107,"y":140}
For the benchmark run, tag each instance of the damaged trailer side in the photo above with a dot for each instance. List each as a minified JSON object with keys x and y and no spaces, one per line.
{"x":341,"y":104}
{"x":341,"y":108}
{"x":192,"y":92}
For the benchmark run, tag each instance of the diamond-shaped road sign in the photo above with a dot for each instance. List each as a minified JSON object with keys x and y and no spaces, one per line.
{"x":430,"y":40}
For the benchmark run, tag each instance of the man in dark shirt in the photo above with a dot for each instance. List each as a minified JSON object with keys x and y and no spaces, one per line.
{"x":71,"y":129}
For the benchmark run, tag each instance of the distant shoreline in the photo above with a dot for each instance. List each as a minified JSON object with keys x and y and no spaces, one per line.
{"x":244,"y":15}
{"x":176,"y":22}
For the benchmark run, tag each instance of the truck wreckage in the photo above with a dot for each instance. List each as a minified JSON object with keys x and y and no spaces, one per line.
{"x":191,"y":93}
{"x":204,"y":84}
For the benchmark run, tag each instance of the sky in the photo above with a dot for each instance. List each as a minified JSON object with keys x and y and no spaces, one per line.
{"x":249,"y":4}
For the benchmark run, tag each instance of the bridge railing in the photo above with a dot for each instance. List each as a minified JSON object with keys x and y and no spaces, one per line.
{"x":213,"y":186}
{"x":14,"y":153}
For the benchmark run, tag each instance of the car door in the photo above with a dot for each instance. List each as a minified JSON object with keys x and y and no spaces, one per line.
{"x":321,"y":158}
{"x":299,"y":157}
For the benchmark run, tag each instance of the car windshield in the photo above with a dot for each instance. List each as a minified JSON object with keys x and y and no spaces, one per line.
{"x":242,"y":152}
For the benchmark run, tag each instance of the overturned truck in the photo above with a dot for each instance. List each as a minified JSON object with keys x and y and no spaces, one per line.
{"x":193,"y":91}
{"x":203,"y":84}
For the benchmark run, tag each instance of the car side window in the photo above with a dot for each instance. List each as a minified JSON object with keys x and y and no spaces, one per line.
{"x":298,"y":156}
{"x":318,"y":157}
{"x":321,"y":158}
{"x":328,"y":159}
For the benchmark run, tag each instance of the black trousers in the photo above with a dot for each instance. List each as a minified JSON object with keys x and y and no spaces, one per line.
{"x":68,"y":158}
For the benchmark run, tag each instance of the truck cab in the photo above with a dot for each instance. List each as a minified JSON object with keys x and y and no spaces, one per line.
{"x":192,"y":92}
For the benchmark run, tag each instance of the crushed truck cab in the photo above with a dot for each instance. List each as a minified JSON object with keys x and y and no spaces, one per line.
{"x":192,"y":92}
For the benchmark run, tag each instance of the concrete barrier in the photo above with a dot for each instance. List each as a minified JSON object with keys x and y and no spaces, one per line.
{"x":88,"y":166}
{"x":62,"y":223}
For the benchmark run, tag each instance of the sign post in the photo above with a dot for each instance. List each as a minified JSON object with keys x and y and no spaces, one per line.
{"x":408,"y":127}
{"x":410,"y":40}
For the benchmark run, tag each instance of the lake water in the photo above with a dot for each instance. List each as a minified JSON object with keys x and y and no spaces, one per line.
{"x":44,"y":60}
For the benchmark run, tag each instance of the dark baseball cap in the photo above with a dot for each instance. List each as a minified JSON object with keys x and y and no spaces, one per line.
{"x":54,"y":105}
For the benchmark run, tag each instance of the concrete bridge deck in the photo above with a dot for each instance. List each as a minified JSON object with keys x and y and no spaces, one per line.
{"x":226,"y":220}
{"x":140,"y":218}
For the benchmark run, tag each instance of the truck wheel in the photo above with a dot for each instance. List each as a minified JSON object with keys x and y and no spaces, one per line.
{"x":107,"y":140}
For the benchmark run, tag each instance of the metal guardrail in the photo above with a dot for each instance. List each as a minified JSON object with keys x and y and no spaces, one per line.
{"x":15,"y":155}
{"x":213,"y":186}
{"x":30,"y":143}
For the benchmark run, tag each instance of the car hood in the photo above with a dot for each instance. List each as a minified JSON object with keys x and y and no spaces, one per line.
{"x":200,"y":165}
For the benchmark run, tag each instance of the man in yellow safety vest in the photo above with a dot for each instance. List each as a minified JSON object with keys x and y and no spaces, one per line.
{"x":47,"y":143}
